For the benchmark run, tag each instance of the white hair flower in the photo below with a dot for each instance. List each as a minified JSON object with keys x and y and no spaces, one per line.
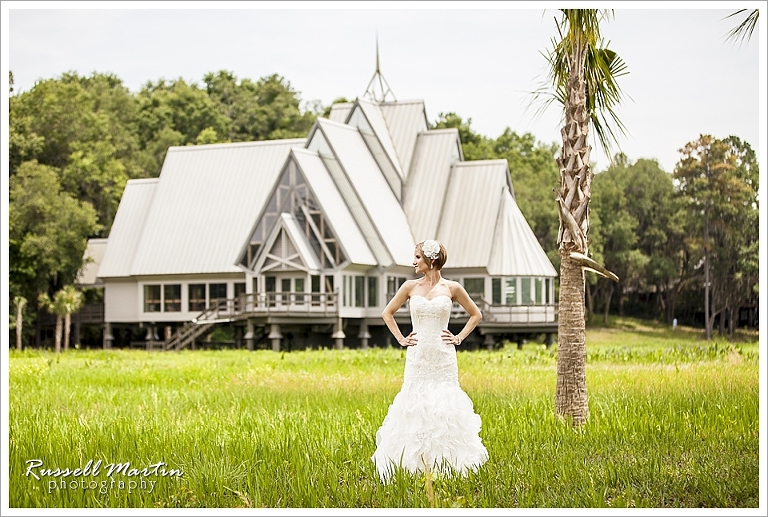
{"x":430,"y":249}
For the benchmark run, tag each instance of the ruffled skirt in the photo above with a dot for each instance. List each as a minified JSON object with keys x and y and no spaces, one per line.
{"x":429,"y":425}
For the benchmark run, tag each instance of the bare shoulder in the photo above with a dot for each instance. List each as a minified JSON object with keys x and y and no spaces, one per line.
{"x":408,"y":286}
{"x":454,"y":286}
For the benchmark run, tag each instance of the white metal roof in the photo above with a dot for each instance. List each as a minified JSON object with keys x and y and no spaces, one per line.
{"x":126,"y":231}
{"x":197,"y":216}
{"x":516,"y":251}
{"x":379,"y":126}
{"x":405,"y":120}
{"x":436,"y":151}
{"x":207,"y":201}
{"x":378,"y":200}
{"x":469,"y":216}
{"x":340,"y":111}
{"x":333,"y":206}
{"x":93,"y":255}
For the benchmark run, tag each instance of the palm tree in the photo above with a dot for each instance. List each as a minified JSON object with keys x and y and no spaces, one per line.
{"x":56,"y":306}
{"x":20,"y":302}
{"x":73,"y":300}
{"x":583,"y":75}
{"x":65,"y":302}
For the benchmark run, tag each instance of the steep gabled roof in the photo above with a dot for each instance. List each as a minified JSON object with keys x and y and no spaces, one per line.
{"x":127,"y":227}
{"x":378,"y":124}
{"x":468,"y":220}
{"x":207,"y":200}
{"x":516,"y":251}
{"x":436,"y":151}
{"x":367,"y":193}
{"x":405,"y":120}
{"x":333,"y":206}
{"x":340,"y":111}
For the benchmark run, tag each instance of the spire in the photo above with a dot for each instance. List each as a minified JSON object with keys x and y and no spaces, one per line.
{"x":371,"y":91}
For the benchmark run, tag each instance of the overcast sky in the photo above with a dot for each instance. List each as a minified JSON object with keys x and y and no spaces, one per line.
{"x":479,"y":60}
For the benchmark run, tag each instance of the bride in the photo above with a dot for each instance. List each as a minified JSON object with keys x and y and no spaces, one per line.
{"x":431,"y":424}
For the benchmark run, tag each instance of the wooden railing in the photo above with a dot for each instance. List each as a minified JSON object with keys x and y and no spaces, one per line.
{"x":497,"y":313}
{"x":257,"y":304}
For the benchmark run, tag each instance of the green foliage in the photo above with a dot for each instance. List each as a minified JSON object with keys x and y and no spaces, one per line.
{"x":48,"y":230}
{"x":74,"y":142}
{"x":265,"y":110}
{"x":718,"y":183}
{"x":266,"y":430}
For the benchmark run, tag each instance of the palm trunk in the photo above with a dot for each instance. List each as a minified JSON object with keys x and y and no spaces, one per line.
{"x":18,"y":326}
{"x":67,"y":325}
{"x":571,"y":395}
{"x":57,"y":337}
{"x":573,"y":204}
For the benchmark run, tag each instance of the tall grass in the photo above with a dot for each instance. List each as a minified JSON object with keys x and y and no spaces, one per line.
{"x":674,"y":423}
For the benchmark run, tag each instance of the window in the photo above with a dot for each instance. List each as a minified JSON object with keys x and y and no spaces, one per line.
{"x":373,"y":291}
{"x":525,"y":291}
{"x":239,"y":295}
{"x":270,"y":287}
{"x":329,"y":289}
{"x":196,"y":297}
{"x":151,"y":298}
{"x":217,"y":292}
{"x":285,"y":288}
{"x":172,"y":295}
{"x":538,"y":286}
{"x":314,"y":281}
{"x":345,"y":289}
{"x":298,"y":288}
{"x":475,"y":286}
{"x":546,"y":291}
{"x":393,"y":284}
{"x":510,"y":291}
{"x":496,"y":291}
{"x":359,"y":291}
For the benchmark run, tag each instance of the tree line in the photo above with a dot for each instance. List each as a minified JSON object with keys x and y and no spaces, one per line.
{"x":74,"y":142}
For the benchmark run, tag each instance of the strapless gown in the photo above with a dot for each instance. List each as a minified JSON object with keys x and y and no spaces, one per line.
{"x":431,"y":422}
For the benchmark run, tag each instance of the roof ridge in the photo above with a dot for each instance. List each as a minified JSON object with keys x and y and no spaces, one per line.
{"x":222,"y":145}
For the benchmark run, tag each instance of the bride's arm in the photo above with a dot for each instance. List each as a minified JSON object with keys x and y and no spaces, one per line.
{"x":475,"y":316}
{"x":388,"y":315}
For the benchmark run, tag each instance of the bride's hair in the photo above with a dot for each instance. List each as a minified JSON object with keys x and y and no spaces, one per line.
{"x":442,"y":256}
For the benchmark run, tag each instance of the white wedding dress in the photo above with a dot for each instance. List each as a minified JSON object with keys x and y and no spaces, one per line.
{"x":431,"y":421}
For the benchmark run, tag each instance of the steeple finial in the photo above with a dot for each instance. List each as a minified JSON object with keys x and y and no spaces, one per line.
{"x":371,"y":91}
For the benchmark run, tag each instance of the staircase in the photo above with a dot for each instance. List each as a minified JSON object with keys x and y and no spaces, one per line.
{"x":253,"y":304}
{"x":187,"y":334}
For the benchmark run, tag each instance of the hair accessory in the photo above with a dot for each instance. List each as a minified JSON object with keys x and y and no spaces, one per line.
{"x":430,"y":249}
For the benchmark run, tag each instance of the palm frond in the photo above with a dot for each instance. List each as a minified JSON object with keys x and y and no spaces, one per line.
{"x":744,"y":30}
{"x":602,"y":68}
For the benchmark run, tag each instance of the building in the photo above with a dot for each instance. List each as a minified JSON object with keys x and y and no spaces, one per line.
{"x":302,"y":242}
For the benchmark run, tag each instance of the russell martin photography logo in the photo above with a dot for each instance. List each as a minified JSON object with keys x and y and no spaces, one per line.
{"x":119,"y":476}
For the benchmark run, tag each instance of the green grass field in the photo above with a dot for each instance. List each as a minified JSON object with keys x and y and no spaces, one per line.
{"x":674,"y":423}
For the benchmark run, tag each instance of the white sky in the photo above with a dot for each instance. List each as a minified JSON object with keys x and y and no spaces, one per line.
{"x":477,"y":59}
